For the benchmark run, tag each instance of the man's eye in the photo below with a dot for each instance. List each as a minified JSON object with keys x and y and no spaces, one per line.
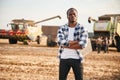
{"x":72,"y":14}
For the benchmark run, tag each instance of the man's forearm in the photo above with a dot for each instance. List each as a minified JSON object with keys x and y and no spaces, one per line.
{"x":75,"y":46}
{"x":73,"y":42}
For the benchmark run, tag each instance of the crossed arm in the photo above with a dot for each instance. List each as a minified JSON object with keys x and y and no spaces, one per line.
{"x":74,"y":45}
{"x":80,"y":44}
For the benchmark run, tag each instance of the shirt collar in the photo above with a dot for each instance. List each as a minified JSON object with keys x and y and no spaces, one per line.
{"x":75,"y":26}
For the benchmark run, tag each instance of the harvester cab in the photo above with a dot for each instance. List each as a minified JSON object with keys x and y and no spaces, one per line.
{"x":18,"y":31}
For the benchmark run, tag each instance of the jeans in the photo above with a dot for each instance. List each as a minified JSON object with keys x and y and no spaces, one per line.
{"x":105,"y":48}
{"x":66,"y":64}
{"x":99,"y":48}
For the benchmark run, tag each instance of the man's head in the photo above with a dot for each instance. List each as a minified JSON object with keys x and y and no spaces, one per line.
{"x":72,"y":15}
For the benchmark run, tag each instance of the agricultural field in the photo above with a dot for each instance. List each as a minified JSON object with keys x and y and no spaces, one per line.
{"x":36,"y":62}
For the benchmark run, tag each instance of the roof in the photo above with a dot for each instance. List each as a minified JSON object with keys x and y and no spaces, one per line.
{"x":110,"y":15}
{"x":23,"y":21}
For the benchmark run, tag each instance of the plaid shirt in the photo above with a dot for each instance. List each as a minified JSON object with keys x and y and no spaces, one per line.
{"x":80,"y":35}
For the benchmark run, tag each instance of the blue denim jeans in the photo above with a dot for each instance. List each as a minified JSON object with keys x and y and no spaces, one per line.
{"x":105,"y":48}
{"x":66,"y":64}
{"x":99,"y":48}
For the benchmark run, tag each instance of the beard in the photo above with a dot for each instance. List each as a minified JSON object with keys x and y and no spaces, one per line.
{"x":72,"y":22}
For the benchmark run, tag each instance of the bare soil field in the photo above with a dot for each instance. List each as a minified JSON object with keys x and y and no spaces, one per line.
{"x":35,"y":62}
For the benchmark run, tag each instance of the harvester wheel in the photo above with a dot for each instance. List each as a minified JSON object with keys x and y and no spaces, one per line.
{"x":117,"y":38}
{"x":94,"y":46}
{"x":51,"y":43}
{"x":12,"y":41}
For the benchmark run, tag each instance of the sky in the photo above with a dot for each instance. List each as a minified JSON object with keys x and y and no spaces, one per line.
{"x":41,"y":9}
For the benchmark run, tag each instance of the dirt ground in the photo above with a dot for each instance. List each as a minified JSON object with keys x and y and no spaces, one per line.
{"x":35,"y":62}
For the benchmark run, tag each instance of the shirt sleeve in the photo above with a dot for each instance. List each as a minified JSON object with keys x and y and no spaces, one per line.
{"x":61,"y":37}
{"x":83,"y":37}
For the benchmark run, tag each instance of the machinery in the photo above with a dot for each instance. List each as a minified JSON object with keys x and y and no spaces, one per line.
{"x":51,"y":33}
{"x":107,"y":26}
{"x":23,"y":30}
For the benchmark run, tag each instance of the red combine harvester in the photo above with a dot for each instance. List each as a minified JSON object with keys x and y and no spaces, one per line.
{"x":21,"y":30}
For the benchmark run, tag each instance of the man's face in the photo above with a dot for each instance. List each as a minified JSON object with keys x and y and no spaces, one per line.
{"x":72,"y":16}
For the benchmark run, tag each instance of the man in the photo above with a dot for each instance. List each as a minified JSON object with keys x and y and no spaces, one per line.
{"x":71,"y":37}
{"x":99,"y":43}
{"x":105,"y":44}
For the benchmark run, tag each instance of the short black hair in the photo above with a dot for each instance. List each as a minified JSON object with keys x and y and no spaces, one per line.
{"x":71,"y":9}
